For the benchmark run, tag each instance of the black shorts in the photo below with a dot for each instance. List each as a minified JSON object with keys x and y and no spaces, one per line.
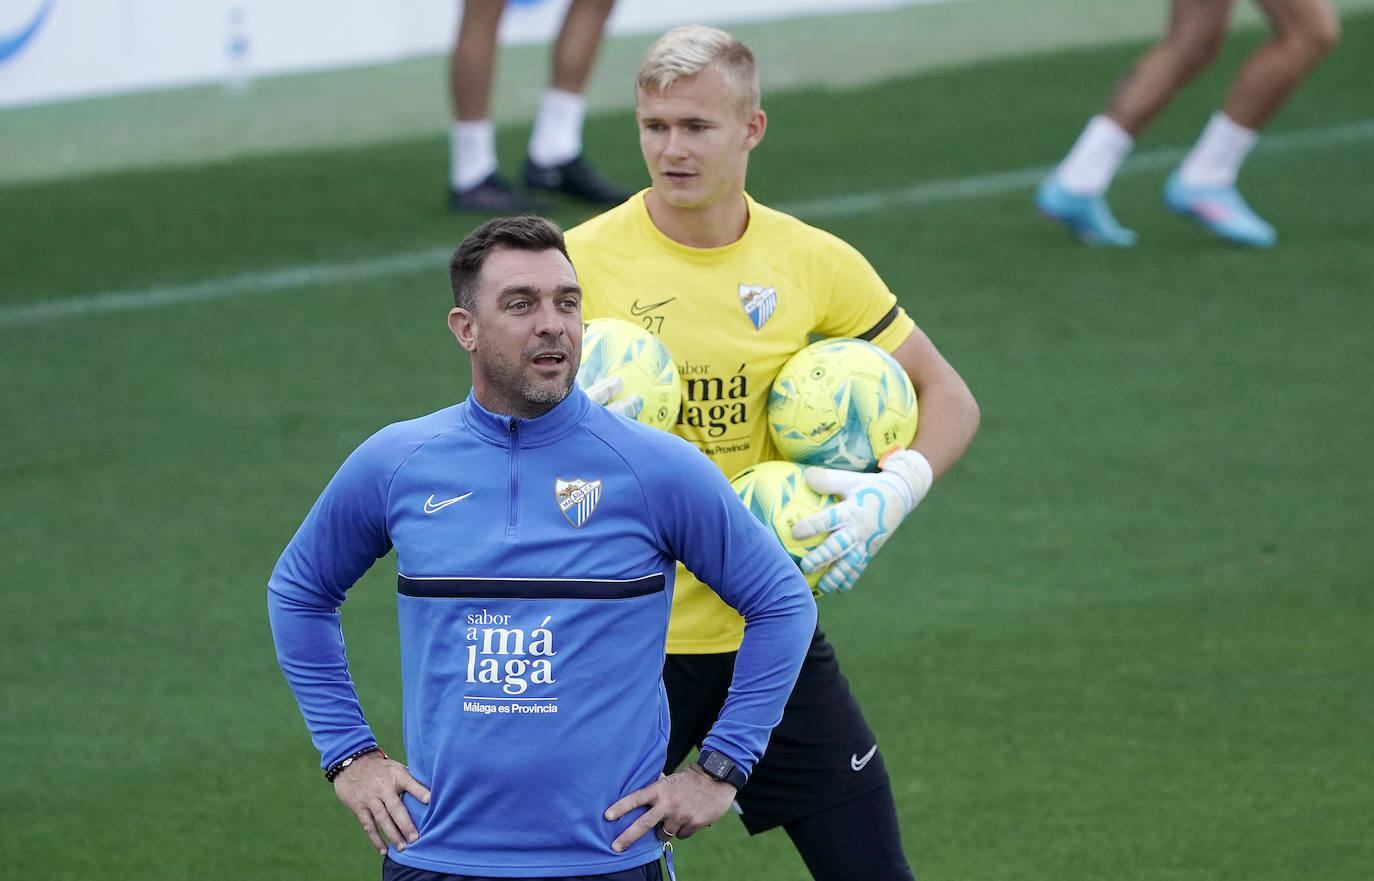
{"x":394,"y":871}
{"x":821,"y":754}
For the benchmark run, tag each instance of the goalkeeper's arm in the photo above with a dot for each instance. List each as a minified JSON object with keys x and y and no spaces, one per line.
{"x":872,"y":506}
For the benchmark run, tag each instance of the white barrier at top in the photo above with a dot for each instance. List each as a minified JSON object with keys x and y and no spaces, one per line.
{"x":53,"y":50}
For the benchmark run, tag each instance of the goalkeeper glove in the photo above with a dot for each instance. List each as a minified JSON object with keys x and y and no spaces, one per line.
{"x":873,"y":506}
{"x":603,"y":390}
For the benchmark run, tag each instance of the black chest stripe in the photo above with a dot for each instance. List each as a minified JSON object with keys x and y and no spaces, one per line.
{"x":531,"y":588}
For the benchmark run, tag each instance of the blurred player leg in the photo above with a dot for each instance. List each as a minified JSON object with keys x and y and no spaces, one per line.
{"x":1204,"y":186}
{"x":1304,"y":32}
{"x":555,"y":159}
{"x":474,"y":184}
{"x":1192,"y":38}
{"x":1075,"y":194}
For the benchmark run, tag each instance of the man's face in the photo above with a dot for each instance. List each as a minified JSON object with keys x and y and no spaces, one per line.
{"x":524,"y":333}
{"x":696,"y":140}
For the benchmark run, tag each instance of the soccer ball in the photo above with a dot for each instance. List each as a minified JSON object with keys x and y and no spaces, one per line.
{"x":841,"y":403}
{"x":612,"y":347}
{"x":777,"y":494}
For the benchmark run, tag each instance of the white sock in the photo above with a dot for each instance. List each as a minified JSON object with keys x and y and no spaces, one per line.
{"x":471,"y":153}
{"x":1216,"y":158}
{"x":1096,"y":155}
{"x":557,"y":134}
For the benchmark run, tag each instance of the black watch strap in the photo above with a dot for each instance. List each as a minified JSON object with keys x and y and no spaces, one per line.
{"x":721,"y":767}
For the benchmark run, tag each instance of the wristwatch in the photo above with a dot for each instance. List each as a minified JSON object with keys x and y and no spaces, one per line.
{"x":719,"y":766}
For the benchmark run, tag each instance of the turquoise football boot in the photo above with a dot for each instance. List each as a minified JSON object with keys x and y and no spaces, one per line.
{"x":1087,"y":217}
{"x":1221,"y":210}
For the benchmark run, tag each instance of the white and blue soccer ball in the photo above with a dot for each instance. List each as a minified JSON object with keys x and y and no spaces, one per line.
{"x":841,"y":403}
{"x":613,"y":347}
{"x":776,"y":492}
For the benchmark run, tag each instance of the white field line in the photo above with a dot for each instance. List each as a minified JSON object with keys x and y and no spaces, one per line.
{"x":924,"y":193}
{"x":288,"y":278}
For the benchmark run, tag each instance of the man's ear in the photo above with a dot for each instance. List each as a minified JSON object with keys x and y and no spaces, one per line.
{"x":754,"y":127}
{"x":461,"y":324}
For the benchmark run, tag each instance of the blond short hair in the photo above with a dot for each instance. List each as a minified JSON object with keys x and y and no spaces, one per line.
{"x":688,"y":50}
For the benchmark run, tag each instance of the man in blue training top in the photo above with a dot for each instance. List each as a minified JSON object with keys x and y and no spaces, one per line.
{"x":536,"y":535}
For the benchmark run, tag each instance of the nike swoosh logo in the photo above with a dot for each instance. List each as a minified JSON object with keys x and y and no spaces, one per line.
{"x":431,"y":506}
{"x":857,"y":763}
{"x":10,"y":44}
{"x":636,"y":309}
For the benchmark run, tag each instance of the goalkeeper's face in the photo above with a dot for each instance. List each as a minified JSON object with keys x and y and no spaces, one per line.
{"x":696,"y":140}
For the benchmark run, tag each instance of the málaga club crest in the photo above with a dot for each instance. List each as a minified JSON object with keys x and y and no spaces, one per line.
{"x":758,"y":302}
{"x":577,"y":498}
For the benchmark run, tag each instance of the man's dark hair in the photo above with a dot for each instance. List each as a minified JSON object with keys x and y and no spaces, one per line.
{"x":525,"y":233}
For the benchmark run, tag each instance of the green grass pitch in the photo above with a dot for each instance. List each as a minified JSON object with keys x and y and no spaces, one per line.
{"x":1131,"y":636}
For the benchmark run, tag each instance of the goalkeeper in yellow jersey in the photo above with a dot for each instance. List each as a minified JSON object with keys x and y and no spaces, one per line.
{"x":733,"y":289}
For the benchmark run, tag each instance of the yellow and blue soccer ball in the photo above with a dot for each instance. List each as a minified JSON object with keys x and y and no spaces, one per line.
{"x":841,"y":403}
{"x":776,"y":492}
{"x":612,"y":347}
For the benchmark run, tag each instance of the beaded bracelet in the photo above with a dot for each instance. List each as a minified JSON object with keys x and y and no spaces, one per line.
{"x":333,"y":770}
